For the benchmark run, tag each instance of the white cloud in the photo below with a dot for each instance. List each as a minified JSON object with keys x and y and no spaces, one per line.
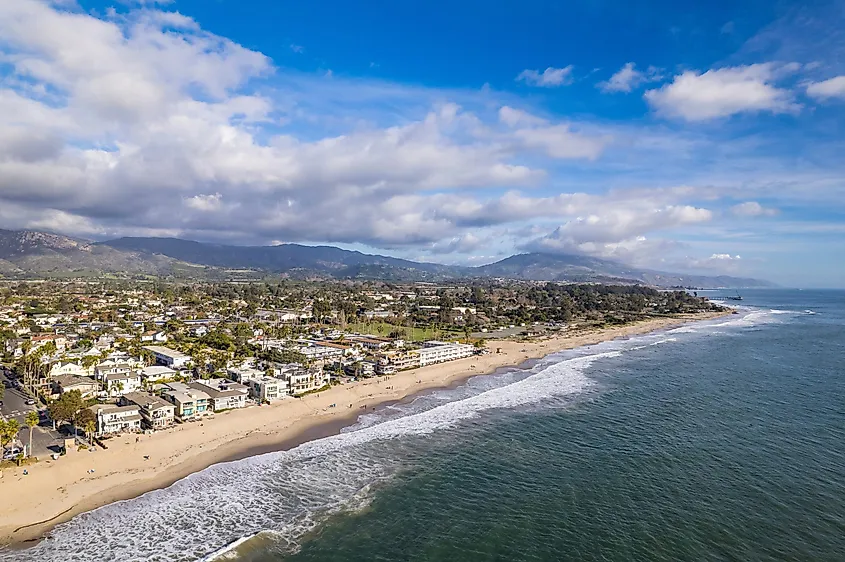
{"x":725,"y":263}
{"x":299,"y":49}
{"x":752,"y":209}
{"x":723,"y":92}
{"x":628,"y":77}
{"x":826,"y":89}
{"x":205,"y":203}
{"x":549,"y":78}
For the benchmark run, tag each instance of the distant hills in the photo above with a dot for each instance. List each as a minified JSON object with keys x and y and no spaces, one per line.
{"x":31,"y":254}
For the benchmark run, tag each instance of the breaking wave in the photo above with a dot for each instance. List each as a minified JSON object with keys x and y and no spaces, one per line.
{"x":288,"y":493}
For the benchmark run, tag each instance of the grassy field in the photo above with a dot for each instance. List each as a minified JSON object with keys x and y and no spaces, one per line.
{"x":411,"y":334}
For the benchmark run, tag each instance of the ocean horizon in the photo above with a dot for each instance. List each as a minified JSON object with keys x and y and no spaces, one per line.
{"x":718,"y":440}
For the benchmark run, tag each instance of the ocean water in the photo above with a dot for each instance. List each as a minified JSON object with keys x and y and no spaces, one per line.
{"x":721,"y":440}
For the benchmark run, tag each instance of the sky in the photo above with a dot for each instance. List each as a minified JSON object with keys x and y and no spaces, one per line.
{"x":701,"y":137}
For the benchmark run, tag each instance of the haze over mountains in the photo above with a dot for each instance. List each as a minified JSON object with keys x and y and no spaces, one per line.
{"x":31,"y":254}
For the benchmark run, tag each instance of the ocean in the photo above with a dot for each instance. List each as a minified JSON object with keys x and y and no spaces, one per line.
{"x":720,"y":440}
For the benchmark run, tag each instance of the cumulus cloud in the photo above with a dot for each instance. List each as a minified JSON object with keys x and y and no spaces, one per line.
{"x":628,"y":78}
{"x":723,"y":92}
{"x":549,"y":78}
{"x":827,"y":89}
{"x":717,"y":262}
{"x":752,"y":209}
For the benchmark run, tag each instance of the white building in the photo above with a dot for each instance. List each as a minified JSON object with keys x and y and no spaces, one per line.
{"x":440,"y":352}
{"x":156,"y":336}
{"x":304,"y":380}
{"x":169,"y":357}
{"x":155,"y":412}
{"x":244,"y":374}
{"x":320,"y":352}
{"x":157,"y":373}
{"x":118,"y":384}
{"x":223,"y":394}
{"x":117,"y":419}
{"x":188,"y":403}
{"x":111,"y":367}
{"x":268,"y":388}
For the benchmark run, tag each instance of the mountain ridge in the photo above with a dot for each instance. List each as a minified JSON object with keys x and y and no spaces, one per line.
{"x":31,"y":253}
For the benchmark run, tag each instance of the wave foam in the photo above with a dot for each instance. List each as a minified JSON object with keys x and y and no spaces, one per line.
{"x":287,"y":492}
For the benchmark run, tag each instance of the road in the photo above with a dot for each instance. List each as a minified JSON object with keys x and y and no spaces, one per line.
{"x":44,"y":439}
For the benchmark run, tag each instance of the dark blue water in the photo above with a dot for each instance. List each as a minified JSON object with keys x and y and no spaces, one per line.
{"x":717,"y":441}
{"x":725,"y":445}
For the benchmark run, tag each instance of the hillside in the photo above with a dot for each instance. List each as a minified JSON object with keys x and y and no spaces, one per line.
{"x":39,"y":254}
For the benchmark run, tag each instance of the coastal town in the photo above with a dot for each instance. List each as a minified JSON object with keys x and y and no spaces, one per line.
{"x":88,"y":361}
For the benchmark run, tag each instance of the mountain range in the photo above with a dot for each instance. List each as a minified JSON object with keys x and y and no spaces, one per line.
{"x":32,"y":254}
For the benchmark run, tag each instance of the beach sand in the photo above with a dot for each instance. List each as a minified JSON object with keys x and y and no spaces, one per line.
{"x":55,"y":491}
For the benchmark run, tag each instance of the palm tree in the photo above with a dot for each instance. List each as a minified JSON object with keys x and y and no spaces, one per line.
{"x":8,"y":431}
{"x":31,"y":420}
{"x":90,"y":428}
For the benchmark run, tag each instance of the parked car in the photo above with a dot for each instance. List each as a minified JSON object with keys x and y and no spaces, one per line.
{"x":12,"y":454}
{"x":30,"y":402}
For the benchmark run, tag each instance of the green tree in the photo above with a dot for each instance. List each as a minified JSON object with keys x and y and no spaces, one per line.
{"x":66,"y":407}
{"x":8,"y":432}
{"x":32,"y":421}
{"x":85,"y":419}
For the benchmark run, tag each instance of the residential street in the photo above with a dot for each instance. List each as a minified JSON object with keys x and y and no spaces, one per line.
{"x":15,"y":407}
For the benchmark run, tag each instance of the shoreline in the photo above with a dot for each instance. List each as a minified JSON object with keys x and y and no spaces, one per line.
{"x":56,"y":491}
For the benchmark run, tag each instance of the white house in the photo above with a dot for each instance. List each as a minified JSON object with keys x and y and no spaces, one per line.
{"x":189,"y":403}
{"x":267,"y":388}
{"x":111,"y":367}
{"x":157,"y":373}
{"x":117,"y":419}
{"x":155,"y":412}
{"x":118,"y":384}
{"x":440,"y":352}
{"x":156,"y":336}
{"x":243,"y":374}
{"x":223,"y":394}
{"x":304,"y":380}
{"x":169,"y":357}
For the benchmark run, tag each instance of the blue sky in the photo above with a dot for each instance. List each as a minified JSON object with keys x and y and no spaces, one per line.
{"x":700,"y":137}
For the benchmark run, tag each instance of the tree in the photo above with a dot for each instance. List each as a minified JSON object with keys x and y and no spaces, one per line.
{"x":2,"y":392}
{"x":66,"y":407}
{"x":87,"y":421}
{"x":8,"y":432}
{"x":32,"y":421}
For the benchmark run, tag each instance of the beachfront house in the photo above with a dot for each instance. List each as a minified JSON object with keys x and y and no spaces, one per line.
{"x":155,"y":412}
{"x":440,"y":352}
{"x":189,"y":403}
{"x":167,"y":357}
{"x":223,"y":394}
{"x":118,"y":384}
{"x":267,"y":389}
{"x":305,"y":380}
{"x":111,"y":367}
{"x":116,"y":419}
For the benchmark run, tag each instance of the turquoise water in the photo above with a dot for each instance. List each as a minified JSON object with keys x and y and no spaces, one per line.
{"x":722,"y":440}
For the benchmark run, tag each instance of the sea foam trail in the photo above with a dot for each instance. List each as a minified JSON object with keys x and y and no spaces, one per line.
{"x":289,"y":492}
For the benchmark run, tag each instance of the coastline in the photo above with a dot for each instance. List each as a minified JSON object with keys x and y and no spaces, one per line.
{"x":56,"y":491}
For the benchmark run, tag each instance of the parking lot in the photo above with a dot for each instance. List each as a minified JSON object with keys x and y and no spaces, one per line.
{"x":44,"y":439}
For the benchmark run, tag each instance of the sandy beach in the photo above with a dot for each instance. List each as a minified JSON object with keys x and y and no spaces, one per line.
{"x":55,"y":491}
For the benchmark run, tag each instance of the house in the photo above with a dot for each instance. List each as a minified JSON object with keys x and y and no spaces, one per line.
{"x":267,"y":389}
{"x":86,"y":386}
{"x":198,"y":331}
{"x":116,"y":419}
{"x":41,"y":340}
{"x":111,"y":367}
{"x":189,"y":403}
{"x":243,"y":374}
{"x":372,"y":343}
{"x":401,"y":360}
{"x":156,"y":336}
{"x":169,"y":357}
{"x":439,"y":352}
{"x":304,"y":380}
{"x":320,"y":352}
{"x":155,"y":412}
{"x":118,"y":384}
{"x":156,"y":373}
{"x":223,"y":394}
{"x":62,"y":368}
